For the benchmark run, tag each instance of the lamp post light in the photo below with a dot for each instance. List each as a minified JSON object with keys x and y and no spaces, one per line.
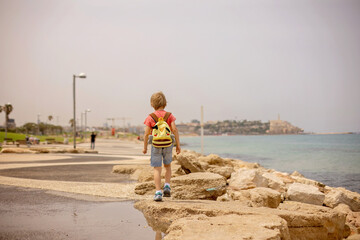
{"x":86,"y":111}
{"x":81,"y":75}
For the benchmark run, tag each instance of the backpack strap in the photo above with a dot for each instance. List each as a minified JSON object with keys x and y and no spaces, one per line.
{"x":154,"y":117}
{"x":167,"y":115}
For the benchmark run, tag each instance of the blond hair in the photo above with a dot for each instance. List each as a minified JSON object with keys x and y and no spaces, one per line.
{"x":158,"y":100}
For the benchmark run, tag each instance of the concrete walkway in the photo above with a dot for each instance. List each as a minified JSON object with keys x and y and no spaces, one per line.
{"x":71,"y":196}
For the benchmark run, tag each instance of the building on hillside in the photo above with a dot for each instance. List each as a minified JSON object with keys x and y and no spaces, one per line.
{"x":283,"y":127}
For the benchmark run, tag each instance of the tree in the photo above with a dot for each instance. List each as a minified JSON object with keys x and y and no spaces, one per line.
{"x":50,"y":117}
{"x":7,"y":108}
{"x":71,"y":122}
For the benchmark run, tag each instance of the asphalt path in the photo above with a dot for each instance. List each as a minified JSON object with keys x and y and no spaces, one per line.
{"x":28,"y":213}
{"x":38,"y":214}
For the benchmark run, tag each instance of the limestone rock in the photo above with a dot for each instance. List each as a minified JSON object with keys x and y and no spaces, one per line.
{"x":189,"y":162}
{"x":214,"y":159}
{"x":227,"y":227}
{"x":352,"y":218}
{"x":258,"y":197}
{"x":317,"y":222}
{"x":305,"y":193}
{"x":246,"y":179}
{"x":124,"y":169}
{"x":307,"y":181}
{"x":202,"y":185}
{"x":224,"y":198}
{"x":275,"y":182}
{"x":304,"y":221}
{"x":223,"y":171}
{"x":354,"y":237}
{"x":297,"y":174}
{"x":341,"y":195}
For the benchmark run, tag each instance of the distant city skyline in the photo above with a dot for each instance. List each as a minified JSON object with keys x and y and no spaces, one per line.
{"x":239,"y":59}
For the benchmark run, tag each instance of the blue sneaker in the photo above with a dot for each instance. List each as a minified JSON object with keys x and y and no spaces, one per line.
{"x":167,"y":191}
{"x":158,"y":197}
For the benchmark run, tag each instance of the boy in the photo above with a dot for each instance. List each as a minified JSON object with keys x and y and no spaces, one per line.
{"x":159,"y":155}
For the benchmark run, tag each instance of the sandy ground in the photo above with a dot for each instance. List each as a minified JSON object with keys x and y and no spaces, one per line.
{"x":71,"y":196}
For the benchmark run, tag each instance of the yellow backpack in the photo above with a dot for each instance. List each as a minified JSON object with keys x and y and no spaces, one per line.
{"x":161,"y":131}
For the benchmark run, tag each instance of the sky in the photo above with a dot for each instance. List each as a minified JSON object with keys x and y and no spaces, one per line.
{"x":239,"y":59}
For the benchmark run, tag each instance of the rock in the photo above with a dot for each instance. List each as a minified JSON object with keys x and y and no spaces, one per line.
{"x":304,"y":221}
{"x":275,"y":182}
{"x":305,"y":193}
{"x":354,"y":237}
{"x":352,"y":218}
{"x":258,"y":197}
{"x":297,"y":174}
{"x":227,"y":227}
{"x":189,"y":162}
{"x":224,"y":198}
{"x":317,"y":222}
{"x":203,"y":185}
{"x":16,"y":150}
{"x":214,"y":159}
{"x":236,"y":163}
{"x":341,"y":195}
{"x":285,"y":177}
{"x":223,"y":171}
{"x":243,"y":179}
{"x":309,"y":182}
{"x":125,"y":169}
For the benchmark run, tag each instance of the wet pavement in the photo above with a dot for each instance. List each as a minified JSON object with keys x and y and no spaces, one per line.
{"x":29,"y":213}
{"x":73,"y":173}
{"x":39,"y":214}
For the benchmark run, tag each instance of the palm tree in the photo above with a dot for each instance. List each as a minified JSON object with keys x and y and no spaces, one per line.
{"x":71,"y":122}
{"x":7,"y":109}
{"x":50,"y":117}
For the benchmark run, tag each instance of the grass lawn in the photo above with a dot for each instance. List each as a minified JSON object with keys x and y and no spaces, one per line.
{"x":20,"y":136}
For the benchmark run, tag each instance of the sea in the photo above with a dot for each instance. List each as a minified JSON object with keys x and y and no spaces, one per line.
{"x":333,"y":159}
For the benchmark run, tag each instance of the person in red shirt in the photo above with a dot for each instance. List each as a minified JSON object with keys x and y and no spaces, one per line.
{"x":161,"y":155}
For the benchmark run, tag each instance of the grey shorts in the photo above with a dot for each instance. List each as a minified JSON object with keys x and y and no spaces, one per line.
{"x":161,"y":155}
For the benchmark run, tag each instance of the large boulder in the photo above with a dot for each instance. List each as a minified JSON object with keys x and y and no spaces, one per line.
{"x":202,"y":185}
{"x":305,"y":194}
{"x":188,"y":162}
{"x":275,"y":182}
{"x":213,"y":159}
{"x":228,"y":227}
{"x":223,"y":171}
{"x":257,"y":197}
{"x":340,"y":195}
{"x":352,"y":218}
{"x":304,"y":221}
{"x":243,"y":179}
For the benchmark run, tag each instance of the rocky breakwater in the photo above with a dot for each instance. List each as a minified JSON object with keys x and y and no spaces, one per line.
{"x":216,"y":198}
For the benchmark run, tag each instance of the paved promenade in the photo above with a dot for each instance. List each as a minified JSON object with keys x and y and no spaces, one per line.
{"x":71,"y":196}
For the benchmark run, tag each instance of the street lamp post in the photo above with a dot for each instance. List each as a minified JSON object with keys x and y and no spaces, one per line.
{"x":86,"y":111}
{"x":81,"y":75}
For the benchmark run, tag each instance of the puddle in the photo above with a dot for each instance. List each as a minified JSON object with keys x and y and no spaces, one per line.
{"x":40,"y":215}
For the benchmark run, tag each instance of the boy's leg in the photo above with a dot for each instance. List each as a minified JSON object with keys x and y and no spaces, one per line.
{"x":167,"y":173}
{"x":157,"y":178}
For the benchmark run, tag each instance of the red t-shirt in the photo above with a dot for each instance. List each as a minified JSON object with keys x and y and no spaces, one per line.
{"x":149,"y":121}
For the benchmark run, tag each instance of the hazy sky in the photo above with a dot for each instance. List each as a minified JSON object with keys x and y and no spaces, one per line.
{"x":240,"y":59}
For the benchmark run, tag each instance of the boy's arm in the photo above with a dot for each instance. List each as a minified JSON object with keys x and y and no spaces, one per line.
{"x":146,"y":138}
{"x":176,"y":133}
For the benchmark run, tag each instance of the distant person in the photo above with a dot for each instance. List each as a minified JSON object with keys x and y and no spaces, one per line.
{"x":93,"y":136}
{"x":160,"y":124}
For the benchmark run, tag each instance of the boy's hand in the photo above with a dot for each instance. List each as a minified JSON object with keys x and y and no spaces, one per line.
{"x":178,"y":149}
{"x":145,"y":151}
